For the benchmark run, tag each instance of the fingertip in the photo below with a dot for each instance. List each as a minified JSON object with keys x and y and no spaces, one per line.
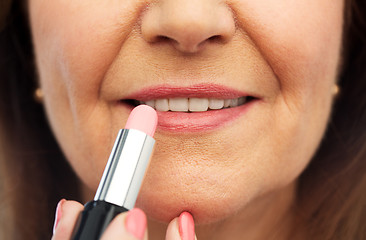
{"x":114,"y":228}
{"x":172,"y":232}
{"x":66,"y":217}
{"x":136,"y":223}
{"x":58,"y":213}
{"x":181,"y":227}
{"x":73,"y":204}
{"x":186,"y":226}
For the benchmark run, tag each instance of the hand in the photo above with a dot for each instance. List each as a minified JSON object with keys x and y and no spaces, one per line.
{"x":131,"y":225}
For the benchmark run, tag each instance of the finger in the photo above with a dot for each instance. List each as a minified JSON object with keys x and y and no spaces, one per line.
{"x":130,"y":225}
{"x":66,"y":215}
{"x":181,"y":228}
{"x":172,"y":232}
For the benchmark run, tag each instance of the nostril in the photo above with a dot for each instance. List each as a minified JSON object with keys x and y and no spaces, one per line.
{"x":215,"y":39}
{"x":161,"y":38}
{"x":164,"y":39}
{"x":188,"y":26}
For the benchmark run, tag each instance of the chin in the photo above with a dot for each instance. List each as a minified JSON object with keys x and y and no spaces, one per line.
{"x":206,"y":207}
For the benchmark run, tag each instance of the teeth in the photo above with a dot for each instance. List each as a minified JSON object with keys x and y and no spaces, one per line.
{"x":198,"y":104}
{"x":178,"y":104}
{"x":150,"y":103}
{"x":193,"y":104}
{"x":227,"y":102}
{"x":234,"y":102}
{"x":216,"y":103}
{"x":162,"y":105}
{"x":241,"y":100}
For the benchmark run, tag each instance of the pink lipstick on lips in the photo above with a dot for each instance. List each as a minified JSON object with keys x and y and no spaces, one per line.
{"x":175,"y":121}
{"x":122,"y":176}
{"x":198,"y":90}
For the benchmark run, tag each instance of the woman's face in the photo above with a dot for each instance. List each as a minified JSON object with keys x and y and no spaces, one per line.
{"x":93,"y":55}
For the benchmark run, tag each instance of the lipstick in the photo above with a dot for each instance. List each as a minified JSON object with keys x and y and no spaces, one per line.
{"x":122,"y":176}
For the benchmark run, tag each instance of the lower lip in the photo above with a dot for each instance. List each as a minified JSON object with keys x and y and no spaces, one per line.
{"x":200,"y":121}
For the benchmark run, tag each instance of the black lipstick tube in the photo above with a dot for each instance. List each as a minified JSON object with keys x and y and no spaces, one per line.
{"x":119,"y":186}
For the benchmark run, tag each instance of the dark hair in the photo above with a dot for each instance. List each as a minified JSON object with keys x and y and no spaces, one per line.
{"x":331,"y":192}
{"x":34,"y":173}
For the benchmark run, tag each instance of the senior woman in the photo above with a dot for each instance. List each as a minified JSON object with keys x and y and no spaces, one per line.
{"x":261,"y":106}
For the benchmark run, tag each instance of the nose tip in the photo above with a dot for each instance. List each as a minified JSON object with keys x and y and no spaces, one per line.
{"x":188,"y":25}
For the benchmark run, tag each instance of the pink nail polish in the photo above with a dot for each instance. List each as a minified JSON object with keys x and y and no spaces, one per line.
{"x":186,"y":226}
{"x":136,"y":223}
{"x":58,"y":214}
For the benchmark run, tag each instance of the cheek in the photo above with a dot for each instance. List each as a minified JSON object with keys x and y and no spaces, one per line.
{"x":74,"y":45}
{"x":299,"y":39}
{"x":77,"y":45}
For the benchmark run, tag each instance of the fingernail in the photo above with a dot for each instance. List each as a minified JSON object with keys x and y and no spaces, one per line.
{"x":186,"y":226}
{"x":58,"y":214}
{"x":136,"y":223}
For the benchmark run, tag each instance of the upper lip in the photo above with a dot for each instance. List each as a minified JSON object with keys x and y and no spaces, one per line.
{"x":203,"y":90}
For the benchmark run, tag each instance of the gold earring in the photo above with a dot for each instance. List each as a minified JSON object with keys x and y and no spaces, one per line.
{"x":335,"y":90}
{"x":38,"y":95}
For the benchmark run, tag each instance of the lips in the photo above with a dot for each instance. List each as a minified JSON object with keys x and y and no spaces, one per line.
{"x":198,"y":90}
{"x":183,"y":119}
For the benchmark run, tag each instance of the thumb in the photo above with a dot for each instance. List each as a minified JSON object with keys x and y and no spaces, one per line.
{"x":181,"y":228}
{"x":131,"y":225}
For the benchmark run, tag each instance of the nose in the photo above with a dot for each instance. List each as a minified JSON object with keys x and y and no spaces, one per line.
{"x":188,"y":25}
